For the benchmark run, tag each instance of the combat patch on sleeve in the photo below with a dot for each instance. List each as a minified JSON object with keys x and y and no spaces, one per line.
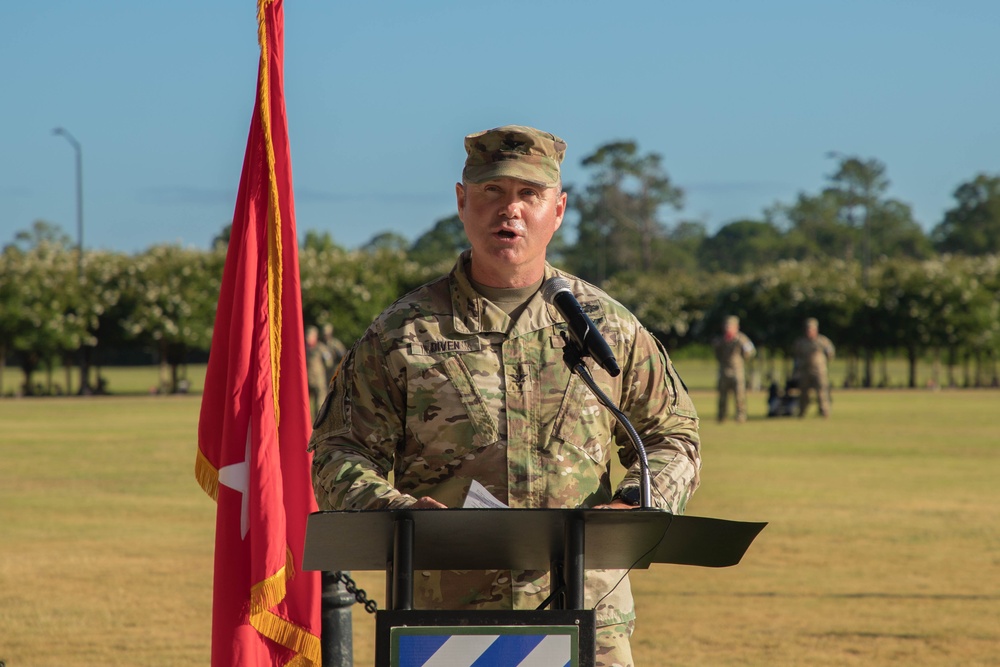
{"x":322,"y":412}
{"x":334,"y":416}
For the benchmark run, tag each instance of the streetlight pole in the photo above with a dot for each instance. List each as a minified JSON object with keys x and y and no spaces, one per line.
{"x":79,"y":195}
{"x":865,"y":196}
{"x":78,"y":150}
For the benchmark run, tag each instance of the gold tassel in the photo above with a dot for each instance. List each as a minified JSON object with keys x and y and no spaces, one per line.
{"x":274,"y":249}
{"x":289,"y":564}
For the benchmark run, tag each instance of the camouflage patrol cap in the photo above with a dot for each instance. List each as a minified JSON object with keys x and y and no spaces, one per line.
{"x":514,"y":151}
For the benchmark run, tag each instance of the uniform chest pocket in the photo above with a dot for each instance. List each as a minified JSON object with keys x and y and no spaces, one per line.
{"x":582,"y":422}
{"x":446,"y":413}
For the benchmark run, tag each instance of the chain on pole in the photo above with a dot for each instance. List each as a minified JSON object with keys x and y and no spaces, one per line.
{"x":359,"y":593}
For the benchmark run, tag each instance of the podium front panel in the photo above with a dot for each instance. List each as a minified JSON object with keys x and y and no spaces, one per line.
{"x":463,"y":638}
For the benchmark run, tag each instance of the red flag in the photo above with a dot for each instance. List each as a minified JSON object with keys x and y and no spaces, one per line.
{"x":254,"y":425}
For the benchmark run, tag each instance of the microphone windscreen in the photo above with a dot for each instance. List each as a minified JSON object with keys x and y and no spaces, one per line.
{"x":552,"y":287}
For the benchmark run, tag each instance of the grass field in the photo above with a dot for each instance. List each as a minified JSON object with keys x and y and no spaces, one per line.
{"x":697,"y":373}
{"x":883,"y":546}
{"x":122,"y":380}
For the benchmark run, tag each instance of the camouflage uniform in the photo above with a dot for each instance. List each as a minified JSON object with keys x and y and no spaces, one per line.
{"x":812,"y":356}
{"x":443,"y":386}
{"x":731,"y":352}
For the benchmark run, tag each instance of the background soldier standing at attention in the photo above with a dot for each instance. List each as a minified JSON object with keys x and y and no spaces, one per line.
{"x":336,"y":349}
{"x":463,"y":379}
{"x":732,"y":349}
{"x":317,"y":360}
{"x":812,"y":353}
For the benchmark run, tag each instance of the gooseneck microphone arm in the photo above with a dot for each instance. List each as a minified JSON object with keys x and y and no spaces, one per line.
{"x":584,"y":339}
{"x":573,"y":357}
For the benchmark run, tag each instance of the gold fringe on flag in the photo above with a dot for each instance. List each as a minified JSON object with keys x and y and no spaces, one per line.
{"x":269,"y":593}
{"x":291,"y":636}
{"x":207,"y":475}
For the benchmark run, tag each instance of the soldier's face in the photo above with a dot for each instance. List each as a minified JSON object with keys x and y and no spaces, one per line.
{"x":509,"y":224}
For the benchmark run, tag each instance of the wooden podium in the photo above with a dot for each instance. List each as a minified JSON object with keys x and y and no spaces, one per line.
{"x":564,"y":542}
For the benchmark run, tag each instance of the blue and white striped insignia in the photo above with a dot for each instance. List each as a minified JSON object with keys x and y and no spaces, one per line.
{"x":467,"y":647}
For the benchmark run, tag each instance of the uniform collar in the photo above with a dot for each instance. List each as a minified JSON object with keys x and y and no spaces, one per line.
{"x":473,"y":314}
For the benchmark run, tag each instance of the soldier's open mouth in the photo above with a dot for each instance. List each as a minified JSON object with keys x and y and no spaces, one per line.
{"x":504,"y":234}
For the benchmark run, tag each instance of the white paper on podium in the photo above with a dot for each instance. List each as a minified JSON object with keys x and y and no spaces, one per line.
{"x":480,"y":499}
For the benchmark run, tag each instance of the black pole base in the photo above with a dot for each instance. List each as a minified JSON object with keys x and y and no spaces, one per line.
{"x":336,"y":640}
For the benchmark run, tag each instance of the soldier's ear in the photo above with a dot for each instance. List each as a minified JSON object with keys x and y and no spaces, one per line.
{"x":560,"y":209}
{"x":460,"y":198}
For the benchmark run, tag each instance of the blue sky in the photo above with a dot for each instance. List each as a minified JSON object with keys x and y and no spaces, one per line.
{"x":742,"y":99}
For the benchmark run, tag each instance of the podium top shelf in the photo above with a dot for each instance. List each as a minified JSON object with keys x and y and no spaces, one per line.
{"x":523,"y":539}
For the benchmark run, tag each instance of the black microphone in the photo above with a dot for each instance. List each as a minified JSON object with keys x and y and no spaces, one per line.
{"x":581,"y":328}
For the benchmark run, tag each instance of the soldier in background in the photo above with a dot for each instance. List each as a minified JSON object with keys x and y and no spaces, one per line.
{"x":813,"y":353}
{"x":732,"y":349}
{"x":464,"y":379}
{"x":335,"y":347}
{"x":318,"y":359}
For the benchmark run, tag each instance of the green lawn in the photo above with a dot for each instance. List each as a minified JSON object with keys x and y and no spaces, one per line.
{"x":882,"y":546}
{"x":697,"y":374}
{"x":119,"y":380}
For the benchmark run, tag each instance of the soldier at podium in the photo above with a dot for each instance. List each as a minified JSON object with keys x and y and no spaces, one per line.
{"x":464,"y":379}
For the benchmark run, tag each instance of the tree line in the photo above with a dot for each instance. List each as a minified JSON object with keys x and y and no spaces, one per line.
{"x":849,"y":255}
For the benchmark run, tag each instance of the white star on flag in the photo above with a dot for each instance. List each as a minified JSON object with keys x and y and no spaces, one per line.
{"x":237,"y":478}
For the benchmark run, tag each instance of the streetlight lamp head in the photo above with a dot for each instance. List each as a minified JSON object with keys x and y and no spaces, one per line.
{"x":65,"y":134}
